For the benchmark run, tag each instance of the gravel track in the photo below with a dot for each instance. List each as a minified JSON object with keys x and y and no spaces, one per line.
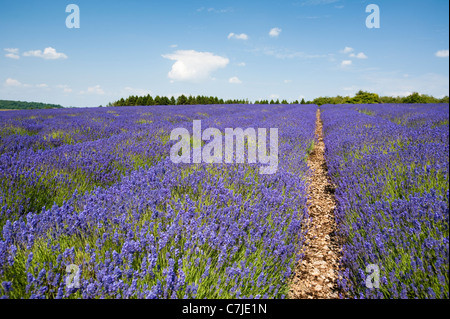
{"x":316,"y":274}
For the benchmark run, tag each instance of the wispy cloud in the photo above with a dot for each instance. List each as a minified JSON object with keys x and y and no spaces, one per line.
{"x":12,"y":82}
{"x":95,"y":90}
{"x":442,"y":54}
{"x":12,"y":53}
{"x":214,"y":10}
{"x":350,"y":52}
{"x":48,"y":54}
{"x":65,"y":88}
{"x":400,"y":93}
{"x":288,"y":54}
{"x":360,"y":55}
{"x":241,"y":36}
{"x":137,"y":91}
{"x":346,"y":63}
{"x":275,"y":32}
{"x":234,"y":80}
{"x":394,"y":83}
{"x":194,"y":66}
{"x":317,"y":2}
{"x":347,"y":50}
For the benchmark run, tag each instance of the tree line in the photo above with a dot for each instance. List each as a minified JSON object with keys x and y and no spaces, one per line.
{"x":147,"y":100}
{"x":361,"y":97}
{"x":181,"y":100}
{"x":19,"y":105}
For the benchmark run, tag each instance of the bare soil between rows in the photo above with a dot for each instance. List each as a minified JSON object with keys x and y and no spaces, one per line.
{"x":315,"y":277}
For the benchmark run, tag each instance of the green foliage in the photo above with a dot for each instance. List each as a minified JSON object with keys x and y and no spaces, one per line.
{"x":423,"y":99}
{"x":361,"y":97}
{"x":181,"y":100}
{"x":19,"y":105}
{"x":365,"y":98}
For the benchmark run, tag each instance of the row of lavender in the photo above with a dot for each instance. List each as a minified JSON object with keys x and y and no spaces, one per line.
{"x":46,"y":155}
{"x":390,"y":165}
{"x":94,"y":190}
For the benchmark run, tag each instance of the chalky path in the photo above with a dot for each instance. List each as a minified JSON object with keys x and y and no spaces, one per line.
{"x":316,"y":274}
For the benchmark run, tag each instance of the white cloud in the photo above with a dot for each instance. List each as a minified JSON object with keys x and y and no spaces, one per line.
{"x":241,"y":64}
{"x":394,"y":83}
{"x":15,"y":83}
{"x":442,"y":54}
{"x":346,"y":63}
{"x":94,"y":90}
{"x":287,"y":81}
{"x":213,"y":10}
{"x":194,"y":66}
{"x":136,"y":91}
{"x":317,"y":2}
{"x":353,"y":88}
{"x":348,"y":50}
{"x":359,"y":56}
{"x":241,"y":36}
{"x":12,"y":53}
{"x":401,"y":93}
{"x":12,"y":56}
{"x":274,"y":96}
{"x":234,"y":80}
{"x":275,"y":32}
{"x":65,"y":88}
{"x":174,"y":45}
{"x":288,"y":54}
{"x":12,"y":82}
{"x":48,"y":54}
{"x":11,"y":50}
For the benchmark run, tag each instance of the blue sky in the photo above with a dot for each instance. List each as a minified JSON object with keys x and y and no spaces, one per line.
{"x":230,"y":49}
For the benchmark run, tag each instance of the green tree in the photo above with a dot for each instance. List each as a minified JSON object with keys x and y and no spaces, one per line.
{"x":150,"y":100}
{"x":191,"y":100}
{"x":363,"y":97}
{"x":140,"y":101}
{"x":182,"y":100}
{"x":415,"y":98}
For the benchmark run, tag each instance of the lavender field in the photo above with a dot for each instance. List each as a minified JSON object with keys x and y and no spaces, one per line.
{"x":95,"y":188}
{"x":390,"y":165}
